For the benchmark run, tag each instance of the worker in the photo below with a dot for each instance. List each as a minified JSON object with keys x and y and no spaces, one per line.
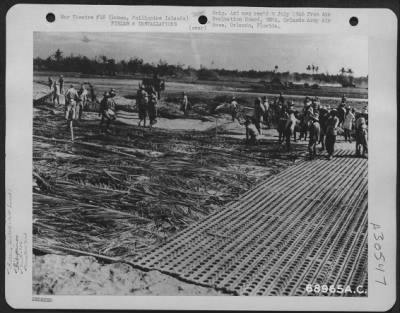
{"x":361,"y":128}
{"x":184,"y":103}
{"x":82,"y":93}
{"x":308,"y":110}
{"x":251,"y":130}
{"x":348,"y":124}
{"x":323,"y":119}
{"x":142,"y":100}
{"x":71,"y":102}
{"x":234,"y":109}
{"x":341,"y":112}
{"x":315,"y":132}
{"x":56,"y":93}
{"x":92,"y":92}
{"x":266,"y":116}
{"x":152,"y":108}
{"x":281,"y":100}
{"x":331,"y":132}
{"x":108,"y":107}
{"x":259,"y":111}
{"x":289,"y":126}
{"x":50,"y":83}
{"x":61,"y":83}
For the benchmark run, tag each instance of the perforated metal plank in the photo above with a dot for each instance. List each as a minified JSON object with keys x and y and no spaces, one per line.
{"x":306,"y":225}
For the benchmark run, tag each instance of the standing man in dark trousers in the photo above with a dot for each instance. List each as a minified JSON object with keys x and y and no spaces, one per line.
{"x":331,"y":133}
{"x":61,"y":83}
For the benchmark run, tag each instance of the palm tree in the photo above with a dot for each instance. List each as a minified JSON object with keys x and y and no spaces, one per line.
{"x":316,"y":69}
{"x":276,"y":68}
{"x":349,"y":71}
{"x":342,"y":71}
{"x":308,"y":68}
{"x":313,"y":68}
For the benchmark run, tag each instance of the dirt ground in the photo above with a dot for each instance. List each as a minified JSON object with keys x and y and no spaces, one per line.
{"x":71,"y":275}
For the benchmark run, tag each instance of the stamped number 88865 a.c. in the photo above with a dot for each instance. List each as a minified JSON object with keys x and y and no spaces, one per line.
{"x":339,"y":289}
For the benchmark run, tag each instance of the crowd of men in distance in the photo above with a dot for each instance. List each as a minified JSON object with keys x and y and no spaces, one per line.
{"x":76,"y":100}
{"x":319,"y":122}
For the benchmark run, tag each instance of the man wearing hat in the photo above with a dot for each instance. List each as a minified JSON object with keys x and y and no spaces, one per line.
{"x":108,"y":110}
{"x":331,"y":133}
{"x":348,"y":124}
{"x":307,"y":112}
{"x":234,"y":108}
{"x":251,"y":130}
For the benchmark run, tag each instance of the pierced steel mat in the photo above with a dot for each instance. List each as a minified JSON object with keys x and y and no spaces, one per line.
{"x":306,"y":225}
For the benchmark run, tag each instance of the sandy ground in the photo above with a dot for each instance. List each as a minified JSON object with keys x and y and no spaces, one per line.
{"x":70,"y":275}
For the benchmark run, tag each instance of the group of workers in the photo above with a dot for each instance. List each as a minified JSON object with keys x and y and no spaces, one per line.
{"x":77,"y":99}
{"x":321,"y":123}
{"x":146,"y":102}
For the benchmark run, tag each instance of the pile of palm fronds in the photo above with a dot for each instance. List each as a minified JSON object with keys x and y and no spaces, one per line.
{"x":120,"y":194}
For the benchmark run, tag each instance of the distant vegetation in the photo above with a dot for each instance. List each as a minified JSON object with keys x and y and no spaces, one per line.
{"x":102,"y":65}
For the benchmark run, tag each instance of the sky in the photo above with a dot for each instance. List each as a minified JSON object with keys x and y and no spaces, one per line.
{"x":291,"y":52}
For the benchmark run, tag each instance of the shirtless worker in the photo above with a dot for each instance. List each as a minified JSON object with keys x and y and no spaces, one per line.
{"x":266,"y":117}
{"x":71,"y":104}
{"x":290,"y":126}
{"x":83,"y":94}
{"x":259,"y":111}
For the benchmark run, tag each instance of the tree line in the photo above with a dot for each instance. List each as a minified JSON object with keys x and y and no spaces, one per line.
{"x":103,"y":65}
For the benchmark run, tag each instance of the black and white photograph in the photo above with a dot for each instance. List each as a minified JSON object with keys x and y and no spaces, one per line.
{"x":200,"y":164}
